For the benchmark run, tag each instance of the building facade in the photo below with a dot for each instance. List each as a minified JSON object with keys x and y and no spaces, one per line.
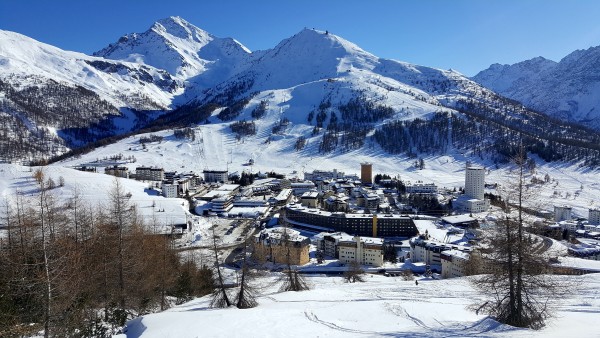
{"x":363,"y":250}
{"x":117,"y":171}
{"x":215,"y":176}
{"x":421,"y":188}
{"x":594,"y":216}
{"x":149,"y":174}
{"x":279,"y":245}
{"x":430,"y":252}
{"x":562,"y":213}
{"x":473,"y":200}
{"x":355,"y":224}
{"x":169,"y":190}
{"x":475,"y":182}
{"x":309,"y":199}
{"x":454,"y":263}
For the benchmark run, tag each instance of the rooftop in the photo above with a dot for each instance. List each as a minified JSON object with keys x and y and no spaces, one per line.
{"x":458,"y":219}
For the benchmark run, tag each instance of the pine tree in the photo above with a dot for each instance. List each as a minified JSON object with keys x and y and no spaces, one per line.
{"x":517,"y":282}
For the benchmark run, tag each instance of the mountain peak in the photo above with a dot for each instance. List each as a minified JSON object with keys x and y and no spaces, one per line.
{"x":177,"y":46}
{"x":180,"y":28}
{"x":325,"y":39}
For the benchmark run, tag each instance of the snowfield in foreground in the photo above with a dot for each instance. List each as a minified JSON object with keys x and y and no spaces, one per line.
{"x":380,"y":307}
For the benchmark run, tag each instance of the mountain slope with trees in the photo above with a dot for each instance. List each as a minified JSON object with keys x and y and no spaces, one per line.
{"x":316,"y":90}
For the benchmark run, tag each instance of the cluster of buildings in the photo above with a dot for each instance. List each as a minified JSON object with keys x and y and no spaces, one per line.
{"x":580,"y":227}
{"x":285,"y":245}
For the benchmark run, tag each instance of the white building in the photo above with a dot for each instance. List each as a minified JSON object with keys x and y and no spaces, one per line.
{"x":473,"y":200}
{"x":454,"y":263}
{"x":430,"y":252}
{"x":475,"y":182}
{"x":364,"y":250}
{"x":309,"y":199}
{"x":421,"y":188}
{"x":324,"y":175}
{"x":465,"y":203}
{"x":562,"y":213}
{"x":169,"y":190}
{"x":568,"y":225}
{"x":283,"y":197}
{"x":222,"y":204}
{"x":594,"y":216}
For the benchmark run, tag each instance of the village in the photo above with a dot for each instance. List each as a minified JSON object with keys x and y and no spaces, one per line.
{"x":330,"y":219}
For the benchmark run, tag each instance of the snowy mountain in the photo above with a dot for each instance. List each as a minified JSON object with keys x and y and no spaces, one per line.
{"x":319,"y":88}
{"x":314,"y":90}
{"x":567,"y":89}
{"x":182,"y":49}
{"x":51,"y":99}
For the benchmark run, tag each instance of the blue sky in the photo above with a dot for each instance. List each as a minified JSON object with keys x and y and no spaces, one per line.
{"x":464,"y":35}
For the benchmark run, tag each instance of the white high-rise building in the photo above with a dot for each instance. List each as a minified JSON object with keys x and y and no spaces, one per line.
{"x":594,"y":216}
{"x":475,"y":182}
{"x":473,"y":200}
{"x":562,"y":213}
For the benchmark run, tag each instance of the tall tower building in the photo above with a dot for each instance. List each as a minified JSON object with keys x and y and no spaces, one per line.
{"x":594,"y":216}
{"x":366,"y":173}
{"x":475,"y":182}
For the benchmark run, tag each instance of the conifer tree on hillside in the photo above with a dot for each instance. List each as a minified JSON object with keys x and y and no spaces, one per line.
{"x":291,"y":279}
{"x":220,"y":298}
{"x":517,"y":277}
{"x":246,"y":297}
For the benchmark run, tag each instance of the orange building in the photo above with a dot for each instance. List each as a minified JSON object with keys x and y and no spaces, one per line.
{"x":366,"y":173}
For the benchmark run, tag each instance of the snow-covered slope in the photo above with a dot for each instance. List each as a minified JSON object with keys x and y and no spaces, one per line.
{"x":182,"y":49}
{"x":26,"y":62}
{"x":92,"y":189}
{"x":51,"y":99}
{"x":380,"y":307}
{"x":313,"y":56}
{"x":569,"y":89}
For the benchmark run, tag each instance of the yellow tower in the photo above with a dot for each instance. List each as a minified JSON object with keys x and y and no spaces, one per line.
{"x":366,"y":173}
{"x":374,"y":225}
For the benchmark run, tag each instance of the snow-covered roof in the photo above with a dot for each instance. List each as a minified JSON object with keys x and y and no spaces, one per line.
{"x":310,"y":194}
{"x":438,"y":232}
{"x":277,"y":233}
{"x":578,"y":263}
{"x":458,"y":219}
{"x":228,"y":187}
{"x":457,"y":253}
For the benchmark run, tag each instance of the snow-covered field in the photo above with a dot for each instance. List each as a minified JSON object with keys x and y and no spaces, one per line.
{"x":380,"y":307}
